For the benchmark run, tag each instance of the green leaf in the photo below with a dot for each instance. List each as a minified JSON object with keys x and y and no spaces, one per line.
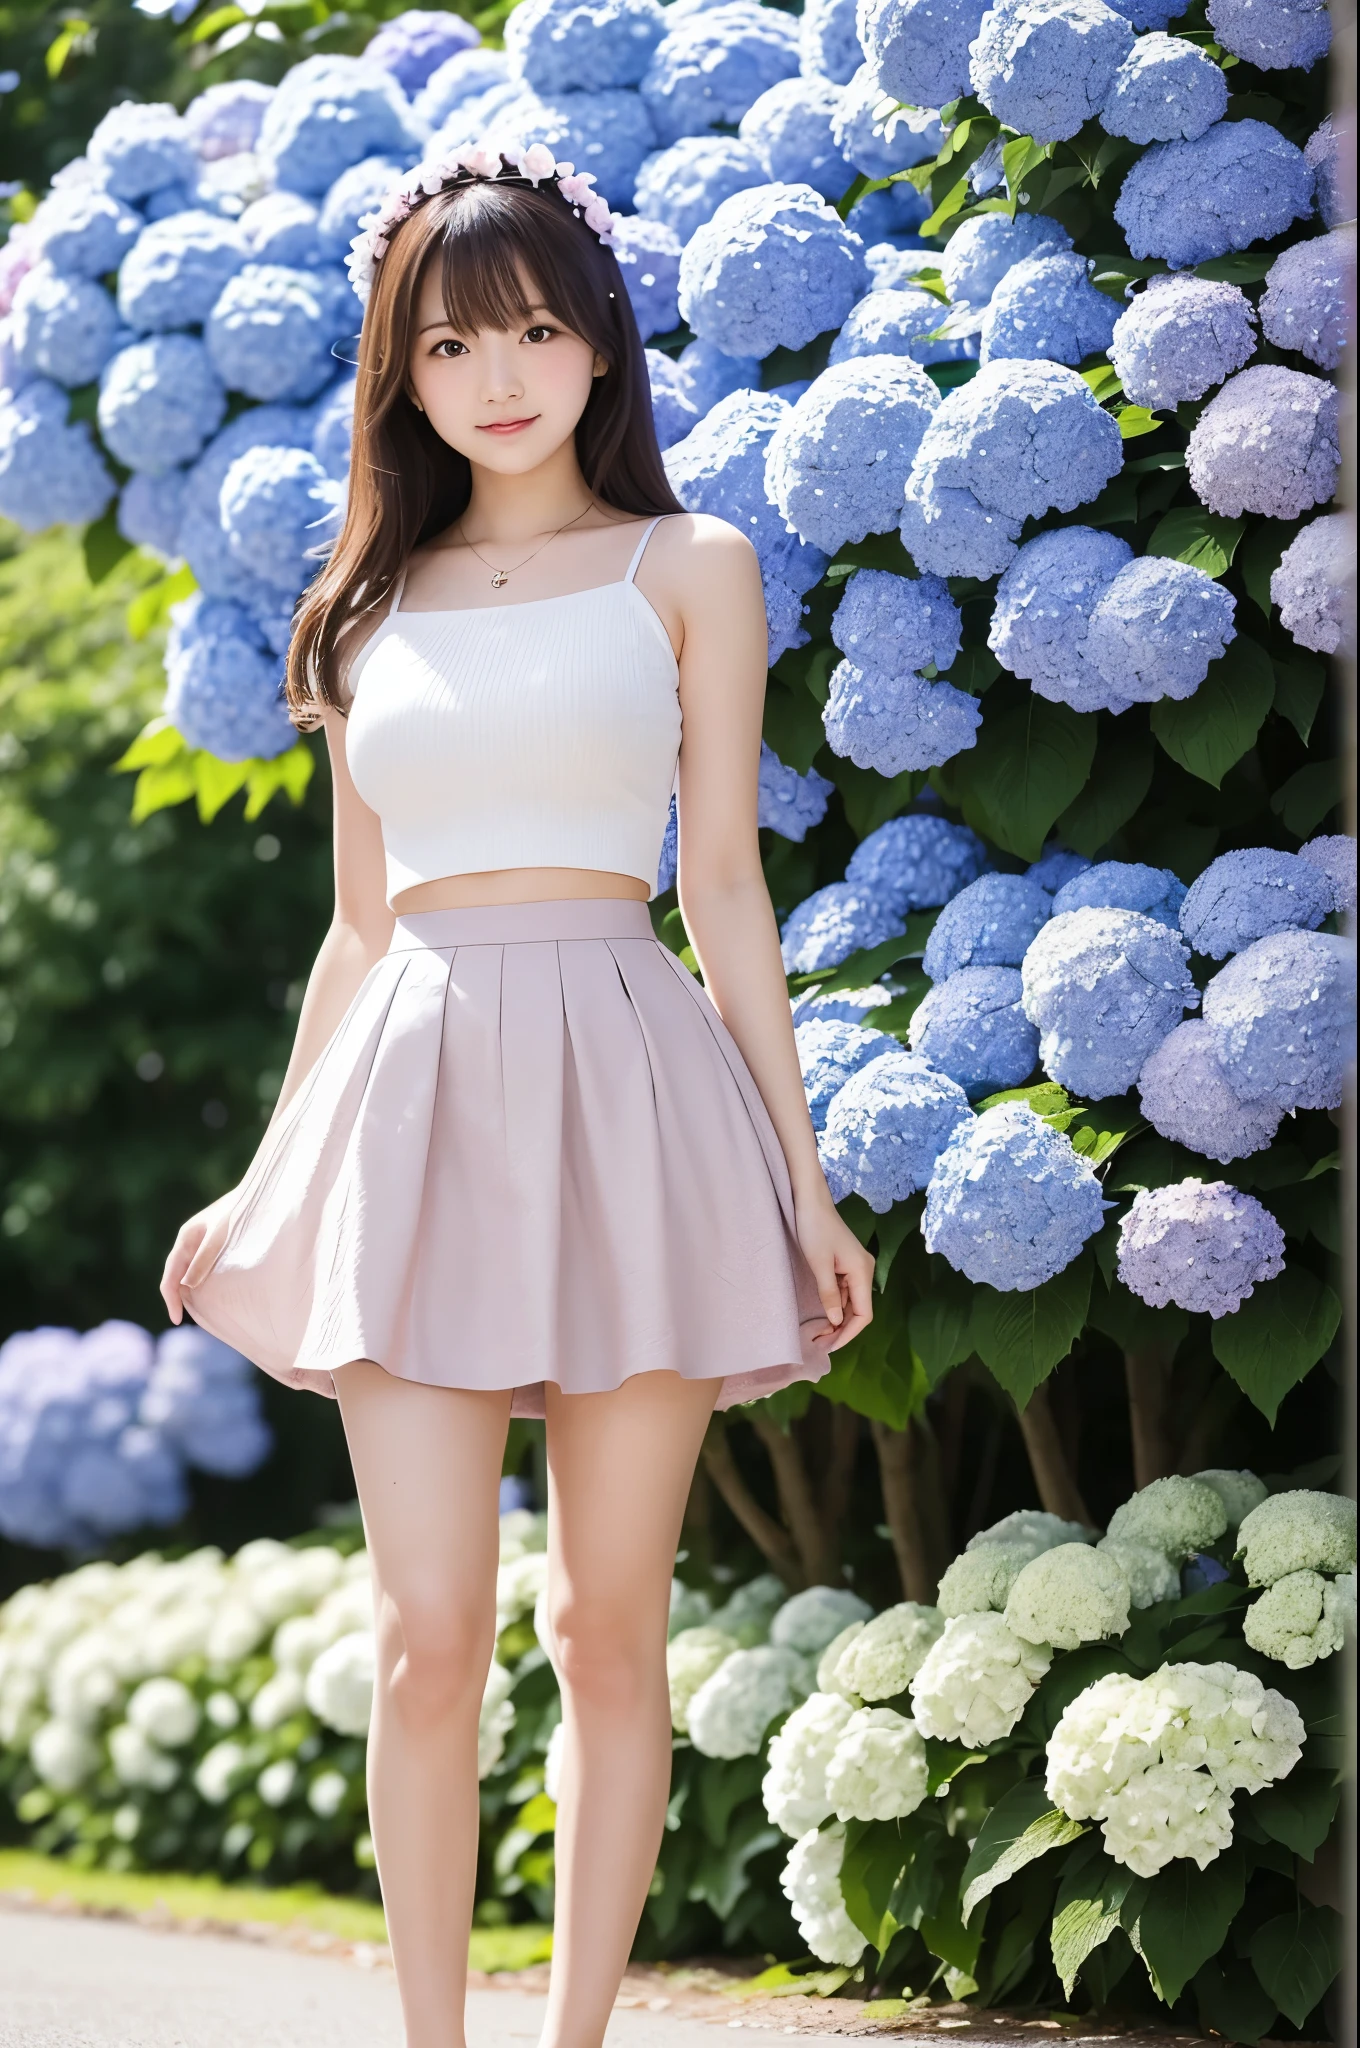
{"x":1020,"y":1338}
{"x":1297,"y":1956}
{"x":155,"y":746}
{"x":1104,"y":381}
{"x":892,"y":1229}
{"x":1260,"y":558}
{"x":288,"y":774}
{"x":870,"y":799}
{"x":939,"y":1332}
{"x":1020,"y":157}
{"x":1303,"y":802}
{"x":944,"y":1761}
{"x":104,"y":546}
{"x":1299,"y":1810}
{"x":1185,"y":1918}
{"x":1232,"y":2002}
{"x":151,"y":607}
{"x":1135,"y":420}
{"x":158,"y":788}
{"x":1098,"y":1133}
{"x":793,"y":725}
{"x":1120,"y":779}
{"x":1132,"y":1325}
{"x":1028,"y":765}
{"x":216,"y":782}
{"x":1239,"y":269}
{"x":1211,"y":731}
{"x":1299,"y":686}
{"x":1087,"y":1911}
{"x":875,"y":1374}
{"x":1280,"y":1332}
{"x":862,"y":970}
{"x":1206,"y":540}
{"x":873,"y":1862}
{"x":974,"y":670}
{"x":947,"y":207}
{"x":999,"y":1852}
{"x":1048,"y":1099}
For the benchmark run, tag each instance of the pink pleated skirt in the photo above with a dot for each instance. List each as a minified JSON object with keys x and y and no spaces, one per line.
{"x":531,"y":1152}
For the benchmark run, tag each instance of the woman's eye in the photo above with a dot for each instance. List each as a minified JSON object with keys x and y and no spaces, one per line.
{"x":538,"y":334}
{"x":449,"y":349}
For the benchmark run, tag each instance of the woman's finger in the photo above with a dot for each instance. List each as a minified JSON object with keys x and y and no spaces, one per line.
{"x":206,"y":1255}
{"x":829,"y":1292}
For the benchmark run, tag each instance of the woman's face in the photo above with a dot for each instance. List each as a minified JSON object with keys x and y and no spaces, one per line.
{"x":507,"y":398}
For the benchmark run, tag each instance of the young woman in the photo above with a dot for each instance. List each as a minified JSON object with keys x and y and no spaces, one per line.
{"x":521,"y":1162}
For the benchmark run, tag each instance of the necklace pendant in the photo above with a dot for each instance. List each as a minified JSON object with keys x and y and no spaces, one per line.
{"x":501,"y":576}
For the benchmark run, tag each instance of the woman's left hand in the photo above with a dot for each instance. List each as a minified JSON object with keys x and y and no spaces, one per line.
{"x":841,"y":1267}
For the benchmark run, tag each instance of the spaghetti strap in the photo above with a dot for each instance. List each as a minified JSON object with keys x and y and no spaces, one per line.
{"x":638,"y":552}
{"x":397,"y":589}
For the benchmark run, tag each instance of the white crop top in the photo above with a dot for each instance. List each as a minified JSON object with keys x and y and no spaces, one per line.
{"x":537,"y":735}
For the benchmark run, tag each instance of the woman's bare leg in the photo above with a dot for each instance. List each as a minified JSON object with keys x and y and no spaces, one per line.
{"x":619,"y":1471}
{"x":427,"y":1461}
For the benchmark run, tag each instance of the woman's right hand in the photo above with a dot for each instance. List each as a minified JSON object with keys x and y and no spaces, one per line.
{"x":195,"y":1252}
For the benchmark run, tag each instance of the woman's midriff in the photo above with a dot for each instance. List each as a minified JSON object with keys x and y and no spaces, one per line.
{"x":517,"y":885}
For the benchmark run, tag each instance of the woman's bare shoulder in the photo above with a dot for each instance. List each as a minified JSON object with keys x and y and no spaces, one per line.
{"x":694,"y":548}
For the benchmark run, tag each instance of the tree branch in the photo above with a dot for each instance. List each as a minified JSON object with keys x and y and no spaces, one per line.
{"x":896,"y":1478}
{"x":797,"y":1497}
{"x":1058,"y":1489}
{"x":773,"y":1543}
{"x":840,"y":1470}
{"x":1148,"y":1375}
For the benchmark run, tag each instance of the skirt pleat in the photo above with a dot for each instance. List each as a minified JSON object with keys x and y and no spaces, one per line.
{"x":531,"y":1152}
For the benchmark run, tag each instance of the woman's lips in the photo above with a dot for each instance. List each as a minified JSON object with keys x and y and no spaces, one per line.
{"x":506,"y":426}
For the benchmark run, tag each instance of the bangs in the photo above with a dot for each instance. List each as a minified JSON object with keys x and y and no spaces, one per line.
{"x":496,"y":264}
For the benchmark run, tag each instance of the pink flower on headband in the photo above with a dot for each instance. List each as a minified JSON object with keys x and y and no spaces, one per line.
{"x":480,"y":159}
{"x":577,"y":186}
{"x":537,"y":163}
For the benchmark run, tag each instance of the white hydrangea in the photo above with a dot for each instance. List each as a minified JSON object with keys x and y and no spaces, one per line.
{"x":552,"y":1762}
{"x":221,"y":1711}
{"x":219,"y":1772}
{"x":277,"y":1700}
{"x":1069,"y":1596}
{"x":730,"y":1712}
{"x":1032,"y":1530}
{"x":1226,"y":1721}
{"x":339,"y":1687}
{"x":690,"y":1607}
{"x":1297,"y":1532}
{"x":519,"y":1585}
{"x":137,"y":1760}
{"x":1165,"y":1812}
{"x":1104,"y":1738}
{"x":975,"y":1682}
{"x":1177,"y":1516}
{"x":496,"y":1718}
{"x":63,"y":1754}
{"x":889,"y":1650}
{"x":1338,"y":1603}
{"x":165,"y":1711}
{"x":1239,"y":1492}
{"x":794,"y":1788}
{"x":829,"y":1661}
{"x":1290,"y":1621}
{"x":748,"y":1612}
{"x":811,"y":1882}
{"x":811,"y":1620}
{"x":522,"y":1529}
{"x":326,"y":1794}
{"x":276,"y":1781}
{"x":878,"y":1770}
{"x":692,"y":1657}
{"x":980,"y":1579}
{"x":1151,"y":1574}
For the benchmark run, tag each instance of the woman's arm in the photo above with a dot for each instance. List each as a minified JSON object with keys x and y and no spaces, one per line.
{"x":713,"y":582}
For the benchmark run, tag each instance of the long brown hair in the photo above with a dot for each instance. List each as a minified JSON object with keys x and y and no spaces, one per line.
{"x":492,"y":238}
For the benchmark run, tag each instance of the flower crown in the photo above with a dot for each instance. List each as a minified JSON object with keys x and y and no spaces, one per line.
{"x":474,"y":160}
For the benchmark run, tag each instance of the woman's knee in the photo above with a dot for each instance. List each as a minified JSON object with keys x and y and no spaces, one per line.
{"x":605,"y":1654}
{"x":434,"y":1649}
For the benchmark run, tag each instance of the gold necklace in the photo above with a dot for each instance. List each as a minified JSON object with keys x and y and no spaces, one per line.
{"x":500,"y":577}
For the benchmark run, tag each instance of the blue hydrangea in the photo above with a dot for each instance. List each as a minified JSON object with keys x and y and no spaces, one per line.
{"x":973,"y":1027}
{"x":710,"y":374}
{"x":837,"y":463}
{"x":892,"y":721}
{"x":226,"y":187}
{"x":203,"y":1398}
{"x":835,"y":922}
{"x":278,"y":508}
{"x":358,"y":191}
{"x":1104,"y":988}
{"x":648,"y":254}
{"x":896,"y":322}
{"x":1158,"y":14}
{"x":774,"y":268}
{"x":784,"y":612}
{"x":475,"y":117}
{"x":282,"y":228}
{"x":583,"y":45}
{"x":991,"y":923}
{"x":789,"y":803}
{"x":886,"y":1128}
{"x":979,"y":253}
{"x":673,"y":409}
{"x":685,"y":184}
{"x":719,"y":468}
{"x":715,"y":64}
{"x":1314,"y":586}
{"x":1179,"y":338}
{"x":1056,"y":866}
{"x":1156,"y":627}
{"x":668,"y":864}
{"x":886,"y":622}
{"x":1124,"y":885}
{"x":333,"y":427}
{"x":1010,"y":1203}
{"x":1044,"y":67}
{"x":1333,"y":855}
{"x":202,"y":541}
{"x":1043,"y":614}
{"x":846,"y":1006}
{"x":1322,"y":154}
{"x":460,"y":78}
{"x":1248,"y":894}
{"x":413,"y":45}
{"x":1166,"y":90}
{"x":331,"y":112}
{"x":1305,"y":306}
{"x":1017,"y":440}
{"x":1184,"y":1094}
{"x":51,"y":473}
{"x":608,"y":133}
{"x":224,"y":120}
{"x":151,"y":509}
{"x":919,"y":48}
{"x":879,"y":139}
{"x":270,"y":333}
{"x":65,"y":328}
{"x":1274,"y":35}
{"x":1282,"y":1018}
{"x":83,"y":231}
{"x":829,"y":1052}
{"x":894,"y":267}
{"x":828,"y":41}
{"x":1047,"y":307}
{"x":895,"y":212}
{"x":917,"y":863}
{"x":223,"y":686}
{"x":137,"y":149}
{"x":1188,"y":202}
{"x":159,"y":401}
{"x":1268,"y":442}
{"x":174,"y":275}
{"x":789,"y":128}
{"x":1200,"y":1244}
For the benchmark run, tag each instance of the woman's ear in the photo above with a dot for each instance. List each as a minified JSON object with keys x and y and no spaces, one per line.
{"x":601,"y":367}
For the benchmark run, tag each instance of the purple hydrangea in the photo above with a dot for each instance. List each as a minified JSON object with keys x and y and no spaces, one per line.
{"x":991,"y":923}
{"x":1333,"y":855}
{"x":835,"y":922}
{"x":279,"y":508}
{"x":648,"y":254}
{"x":1180,"y":337}
{"x":1306,"y":305}
{"x":224,"y":687}
{"x":774,"y":268}
{"x":719,"y":468}
{"x":462,"y":77}
{"x":673,"y":409}
{"x":333,"y":427}
{"x":1056,"y":866}
{"x":159,"y":401}
{"x":202,"y":541}
{"x":876,"y":137}
{"x":1200,"y":1244}
{"x":1104,"y":987}
{"x":271,"y":331}
{"x":892,"y":622}
{"x":685,"y":184}
{"x":973,"y":1027}
{"x":887,"y":1126}
{"x":413,"y":45}
{"x":1043,"y":614}
{"x":1282,"y":1017}
{"x":897,"y":322}
{"x":1044,"y":67}
{"x":65,"y":328}
{"x":1185,"y":1096}
{"x":710,"y":374}
{"x":1268,"y":442}
{"x":357,"y":191}
{"x":1238,"y":183}
{"x":714,"y":64}
{"x":1274,"y":35}
{"x":828,"y":43}
{"x":283,"y":227}
{"x":829,"y":1052}
{"x":1323,"y":156}
{"x":175,"y":273}
{"x":919,"y":48}
{"x":789,"y":803}
{"x":1247,"y":895}
{"x":1166,"y":90}
{"x":224,"y":120}
{"x":837,"y":463}
{"x":583,"y":45}
{"x":1010,"y":1203}
{"x":151,"y":510}
{"x":918,"y":862}
{"x":51,"y":472}
{"x":979,"y":253}
{"x":203,"y":1399}
{"x":1156,"y":627}
{"x":1124,"y":885}
{"x":83,"y":231}
{"x":892,"y":722}
{"x":1047,"y":307}
{"x":138,"y":149}
{"x":789,"y":128}
{"x":607,"y":133}
{"x":331,"y":112}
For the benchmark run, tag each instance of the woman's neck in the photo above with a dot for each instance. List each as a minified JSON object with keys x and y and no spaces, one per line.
{"x":507,"y":510}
